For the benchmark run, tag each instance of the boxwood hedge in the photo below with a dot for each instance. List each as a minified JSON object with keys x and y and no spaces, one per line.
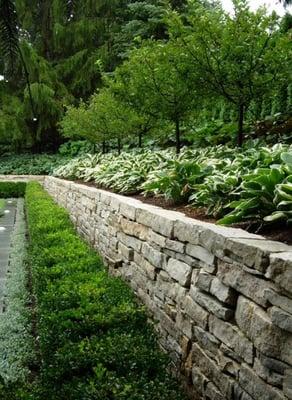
{"x":94,"y":341}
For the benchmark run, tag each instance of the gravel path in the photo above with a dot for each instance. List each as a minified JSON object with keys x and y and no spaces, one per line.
{"x":6,"y":228}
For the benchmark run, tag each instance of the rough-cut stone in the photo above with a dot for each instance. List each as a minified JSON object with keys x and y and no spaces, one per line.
{"x":210,"y":369}
{"x":251,"y":286}
{"x":200,"y":253}
{"x":211,"y":392}
{"x":126,"y":253}
{"x":277,"y":300}
{"x":280,"y":270}
{"x":281,"y":318}
{"x":161,"y":221}
{"x":130,"y":241}
{"x":232,"y":337}
{"x":196,"y":312}
{"x":227,"y":364}
{"x":156,"y":239}
{"x":256,"y":387}
{"x":271,"y":377}
{"x":214,"y":237}
{"x":179,"y":271}
{"x":240,"y":394}
{"x":184,"y":324}
{"x":253,"y":252}
{"x":207,"y":341}
{"x":153,"y":256}
{"x":198,"y":380}
{"x":287,"y":384}
{"x":134,"y":229}
{"x":210,"y":304}
{"x":258,"y":327}
{"x":128,"y":208}
{"x":187,"y":230}
{"x":203,"y":281}
{"x":174,"y":245}
{"x":272,"y":364}
{"x":222,"y":292}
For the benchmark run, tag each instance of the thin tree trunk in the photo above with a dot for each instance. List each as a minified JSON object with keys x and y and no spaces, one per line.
{"x":140,"y":139}
{"x":240,"y":125}
{"x":119,"y":146}
{"x":177,"y":136}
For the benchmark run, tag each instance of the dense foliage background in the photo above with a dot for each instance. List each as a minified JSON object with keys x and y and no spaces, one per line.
{"x":119,"y":73}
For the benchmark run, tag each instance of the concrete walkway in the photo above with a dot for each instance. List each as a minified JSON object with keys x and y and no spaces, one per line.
{"x":6,"y":228}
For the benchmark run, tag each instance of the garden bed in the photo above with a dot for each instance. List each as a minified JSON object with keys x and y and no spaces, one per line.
{"x":280,"y":232}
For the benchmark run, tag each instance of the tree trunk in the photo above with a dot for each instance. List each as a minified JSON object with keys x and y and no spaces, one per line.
{"x":119,"y":146}
{"x":177,"y":136}
{"x":240,"y":125}
{"x":140,"y":139}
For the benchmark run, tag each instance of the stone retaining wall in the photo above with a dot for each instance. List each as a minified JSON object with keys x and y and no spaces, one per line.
{"x":21,"y":178}
{"x":222,"y":297}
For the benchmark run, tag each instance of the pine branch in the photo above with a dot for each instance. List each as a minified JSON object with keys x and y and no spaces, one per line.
{"x":8,"y":30}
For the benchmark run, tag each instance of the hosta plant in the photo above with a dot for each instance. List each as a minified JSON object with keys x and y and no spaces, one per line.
{"x":256,"y":195}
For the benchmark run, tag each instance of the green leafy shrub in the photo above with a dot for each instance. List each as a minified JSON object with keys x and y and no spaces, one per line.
{"x":12,"y":189}
{"x":28,"y":164}
{"x":16,"y":341}
{"x":94,"y":339}
{"x":76,"y":148}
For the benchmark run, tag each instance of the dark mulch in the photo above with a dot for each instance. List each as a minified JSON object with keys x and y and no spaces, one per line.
{"x":279,"y":232}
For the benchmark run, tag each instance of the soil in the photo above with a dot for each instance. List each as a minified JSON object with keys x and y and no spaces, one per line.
{"x":278,"y":232}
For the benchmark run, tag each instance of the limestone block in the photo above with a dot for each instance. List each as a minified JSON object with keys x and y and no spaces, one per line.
{"x":213,"y":237}
{"x":161,"y":221}
{"x":130,"y":241}
{"x":200,"y":253}
{"x":227,"y":365}
{"x":253,"y":252}
{"x":174,"y":245}
{"x":104,"y":197}
{"x":154,"y":256}
{"x":196,"y":312}
{"x":128,"y":207}
{"x":210,"y":304}
{"x":272,"y":364}
{"x":199,"y":380}
{"x":210,"y":369}
{"x":134,"y":229}
{"x":231,"y":336}
{"x":278,"y":300}
{"x":281,"y":318}
{"x":183,"y":324}
{"x":179,"y":271}
{"x":258,"y":327}
{"x":155,"y":238}
{"x":251,"y":286}
{"x":193,"y":262}
{"x":240,"y":394}
{"x":203,"y":281}
{"x":145,"y":265}
{"x":287,"y":384}
{"x":280,"y":270}
{"x":271,"y":377}
{"x":187,"y":230}
{"x":256,"y":387}
{"x":222,"y":292}
{"x":211,"y":392}
{"x":126,"y":252}
{"x":207,"y":341}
